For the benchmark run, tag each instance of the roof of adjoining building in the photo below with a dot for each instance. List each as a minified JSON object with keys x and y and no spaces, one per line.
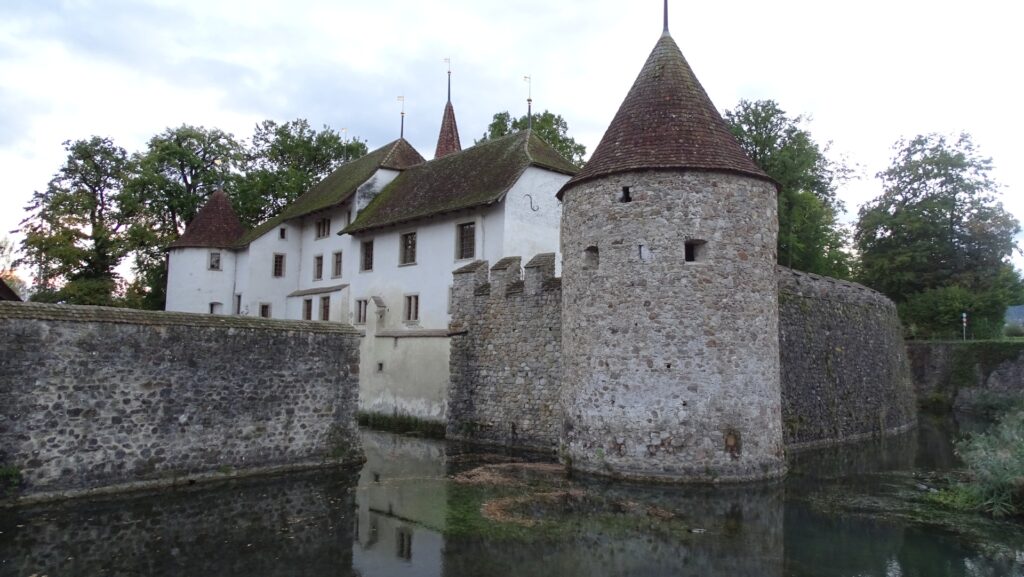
{"x":477,"y":176}
{"x":448,"y":138}
{"x":7,"y":293}
{"x":666,"y":121}
{"x":216,"y":225}
{"x":341,"y":184}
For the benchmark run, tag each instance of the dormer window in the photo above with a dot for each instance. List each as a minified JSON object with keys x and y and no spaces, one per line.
{"x":323,"y":228}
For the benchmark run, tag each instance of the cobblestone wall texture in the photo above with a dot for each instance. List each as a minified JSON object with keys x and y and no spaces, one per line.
{"x":93,"y":397}
{"x":845,"y":370}
{"x":505,"y":354}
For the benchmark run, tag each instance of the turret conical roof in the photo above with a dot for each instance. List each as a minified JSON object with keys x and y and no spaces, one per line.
{"x":666,"y":121}
{"x":448,"y":138}
{"x":216,"y":225}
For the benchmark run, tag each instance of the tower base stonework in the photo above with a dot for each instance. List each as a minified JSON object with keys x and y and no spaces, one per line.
{"x":671,"y":358}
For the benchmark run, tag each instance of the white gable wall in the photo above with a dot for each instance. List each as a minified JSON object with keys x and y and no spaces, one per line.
{"x":529,"y":232}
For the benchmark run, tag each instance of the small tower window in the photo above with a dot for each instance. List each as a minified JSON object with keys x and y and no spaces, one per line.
{"x":695,"y":250}
{"x":591,"y":258}
{"x":626,"y":197}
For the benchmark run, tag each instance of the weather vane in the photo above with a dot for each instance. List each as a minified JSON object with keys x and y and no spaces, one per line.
{"x":401,"y":133}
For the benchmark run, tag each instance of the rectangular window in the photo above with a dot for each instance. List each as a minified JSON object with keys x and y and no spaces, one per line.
{"x":214,"y":261}
{"x":325,"y":308}
{"x":265,"y":310}
{"x":282,"y":233}
{"x":361,"y":306}
{"x":278,"y":265}
{"x":466,"y":239}
{"x":407,"y":252}
{"x":412,"y":308}
{"x":323,"y":227}
{"x":367,"y":262}
{"x":215,"y":308}
{"x":336,"y":268}
{"x":307,"y":309}
{"x":318,"y":267}
{"x":238,"y":304}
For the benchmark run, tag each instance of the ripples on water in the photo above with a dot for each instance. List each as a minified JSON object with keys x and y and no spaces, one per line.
{"x":424,"y":508}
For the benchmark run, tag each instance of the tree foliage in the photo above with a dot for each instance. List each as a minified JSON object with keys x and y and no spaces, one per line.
{"x":937,"y":234}
{"x":105,"y":205}
{"x":77,"y":231}
{"x":550,"y":127}
{"x":285,"y":160}
{"x":810,"y":236}
{"x":8,"y":269}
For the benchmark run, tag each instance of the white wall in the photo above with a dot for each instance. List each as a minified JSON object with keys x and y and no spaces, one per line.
{"x":192,"y":286}
{"x":530,"y":232}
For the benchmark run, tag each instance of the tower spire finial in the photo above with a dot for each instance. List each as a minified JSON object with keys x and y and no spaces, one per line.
{"x":665,"y":29}
{"x":401,"y":131}
{"x":529,"y":101}
{"x":448,"y":61}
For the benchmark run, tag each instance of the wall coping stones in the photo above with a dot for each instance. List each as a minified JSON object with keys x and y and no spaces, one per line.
{"x":471,"y":267}
{"x":506,"y":263}
{"x":80,"y":313}
{"x":805,"y":284}
{"x":543,"y":259}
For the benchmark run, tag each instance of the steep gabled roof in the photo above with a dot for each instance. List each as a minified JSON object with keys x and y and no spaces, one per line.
{"x":341,"y":184}
{"x":666,"y":121}
{"x":477,"y":176}
{"x":7,"y":293}
{"x":216,"y":225}
{"x":448,"y":138}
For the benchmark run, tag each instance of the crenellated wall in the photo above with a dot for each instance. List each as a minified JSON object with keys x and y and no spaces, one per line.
{"x":94,"y":398}
{"x":844,"y":368}
{"x":506,"y":353}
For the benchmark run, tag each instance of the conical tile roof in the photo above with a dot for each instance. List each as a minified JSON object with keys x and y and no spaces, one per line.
{"x":448,"y":139}
{"x":215,"y":226}
{"x":666,"y":121}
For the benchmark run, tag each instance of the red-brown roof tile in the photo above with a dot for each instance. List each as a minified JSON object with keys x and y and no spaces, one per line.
{"x":448,"y":138}
{"x":7,"y":293}
{"x":666,"y":121}
{"x":215,"y":226}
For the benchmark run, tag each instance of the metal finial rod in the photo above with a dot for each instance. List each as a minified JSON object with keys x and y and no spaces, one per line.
{"x":449,"y":62}
{"x":529,"y":101}
{"x":401,"y":132}
{"x":665,"y":29}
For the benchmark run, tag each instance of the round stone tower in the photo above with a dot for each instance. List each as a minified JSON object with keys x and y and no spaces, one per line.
{"x":670,"y":303}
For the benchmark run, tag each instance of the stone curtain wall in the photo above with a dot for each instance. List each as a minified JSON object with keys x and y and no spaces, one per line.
{"x":95,"y":397}
{"x":506,"y":354}
{"x":845,"y":373}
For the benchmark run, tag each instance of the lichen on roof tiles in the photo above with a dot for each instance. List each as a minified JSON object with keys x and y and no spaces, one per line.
{"x":474,"y":177}
{"x":216,"y":225}
{"x":667,"y":121}
{"x":341,"y":184}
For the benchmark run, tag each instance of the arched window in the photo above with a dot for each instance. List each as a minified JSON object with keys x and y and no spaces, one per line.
{"x":591,"y":258}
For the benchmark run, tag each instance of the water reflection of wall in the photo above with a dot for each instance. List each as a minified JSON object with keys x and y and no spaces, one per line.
{"x":401,"y":500}
{"x":294,"y":525}
{"x":737,"y":532}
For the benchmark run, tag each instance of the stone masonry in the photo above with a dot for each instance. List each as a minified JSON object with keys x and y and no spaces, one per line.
{"x":96,"y":397}
{"x":844,"y":372}
{"x":506,"y":354}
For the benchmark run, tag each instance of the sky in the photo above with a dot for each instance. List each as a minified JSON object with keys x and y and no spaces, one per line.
{"x":865,"y":73}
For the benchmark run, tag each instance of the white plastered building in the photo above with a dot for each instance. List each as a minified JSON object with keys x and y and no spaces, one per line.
{"x":374,"y":244}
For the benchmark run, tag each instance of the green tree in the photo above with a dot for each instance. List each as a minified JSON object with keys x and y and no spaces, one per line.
{"x":810,"y":236}
{"x":179,"y":170}
{"x":285,"y":160}
{"x":76,"y":232}
{"x":551,"y":127}
{"x":938,"y":225}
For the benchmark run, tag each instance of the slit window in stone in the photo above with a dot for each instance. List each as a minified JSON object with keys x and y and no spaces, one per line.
{"x":694,"y":250}
{"x":626,"y":196}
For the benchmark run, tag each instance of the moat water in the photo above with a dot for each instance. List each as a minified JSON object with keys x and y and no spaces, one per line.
{"x":422,"y":508}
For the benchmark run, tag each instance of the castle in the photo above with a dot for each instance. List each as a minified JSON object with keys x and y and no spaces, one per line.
{"x":672,"y":348}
